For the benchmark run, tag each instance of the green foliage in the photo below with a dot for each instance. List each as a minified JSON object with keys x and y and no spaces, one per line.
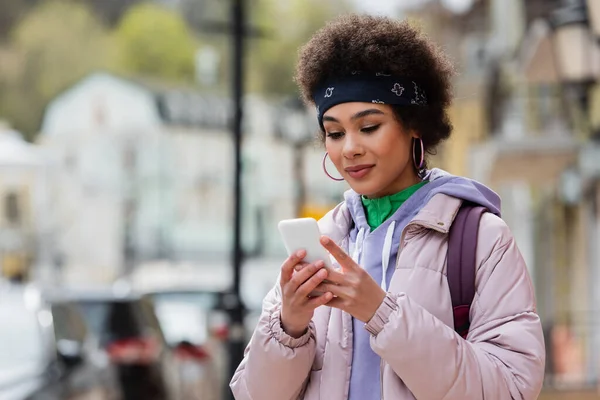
{"x":155,"y":42}
{"x":56,"y":44}
{"x":290,"y":24}
{"x":63,"y":42}
{"x":11,"y":11}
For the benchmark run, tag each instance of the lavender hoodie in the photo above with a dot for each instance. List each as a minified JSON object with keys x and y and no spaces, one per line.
{"x":373,"y":250}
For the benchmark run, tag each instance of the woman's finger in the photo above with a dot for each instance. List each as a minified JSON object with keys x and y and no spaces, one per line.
{"x":300,"y":277}
{"x":345,"y":261}
{"x":336,"y":290}
{"x":336,"y":277}
{"x":321,"y":300}
{"x":300,"y":266}
{"x":336,"y":302}
{"x":311,"y":283}
{"x":287,"y":269}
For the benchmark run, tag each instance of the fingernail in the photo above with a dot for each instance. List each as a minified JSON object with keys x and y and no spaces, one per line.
{"x":300,"y":253}
{"x":319,"y":264}
{"x":324,"y":239}
{"x":323,"y":273}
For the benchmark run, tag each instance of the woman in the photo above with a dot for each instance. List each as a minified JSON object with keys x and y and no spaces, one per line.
{"x":383,"y":329}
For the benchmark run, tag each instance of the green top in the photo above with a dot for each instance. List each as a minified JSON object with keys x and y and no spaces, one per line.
{"x":380,"y":209}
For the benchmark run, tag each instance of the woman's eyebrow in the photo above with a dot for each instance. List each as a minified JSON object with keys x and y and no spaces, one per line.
{"x":364,"y":113}
{"x":330,"y":119}
{"x":360,"y":114}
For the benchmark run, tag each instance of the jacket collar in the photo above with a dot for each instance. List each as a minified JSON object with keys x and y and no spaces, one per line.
{"x":437,"y":214}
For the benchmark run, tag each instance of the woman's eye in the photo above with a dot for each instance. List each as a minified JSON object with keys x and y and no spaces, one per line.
{"x":335,"y":135}
{"x":369,"y":129}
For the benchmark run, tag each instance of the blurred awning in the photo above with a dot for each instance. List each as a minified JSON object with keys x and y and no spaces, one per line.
{"x":16,"y":152}
{"x":537,"y":59}
{"x":533,"y":160}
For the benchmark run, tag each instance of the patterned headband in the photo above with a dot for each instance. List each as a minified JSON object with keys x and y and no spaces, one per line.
{"x":379,"y":88}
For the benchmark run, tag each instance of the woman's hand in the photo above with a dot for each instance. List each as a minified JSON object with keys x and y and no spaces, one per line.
{"x":356,"y":291}
{"x":297,"y":308}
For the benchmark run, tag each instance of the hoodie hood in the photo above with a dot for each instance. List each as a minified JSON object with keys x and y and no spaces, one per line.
{"x":440,"y":182}
{"x":464,"y":189}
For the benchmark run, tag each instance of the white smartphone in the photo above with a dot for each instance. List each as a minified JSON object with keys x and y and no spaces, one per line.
{"x":304,"y":234}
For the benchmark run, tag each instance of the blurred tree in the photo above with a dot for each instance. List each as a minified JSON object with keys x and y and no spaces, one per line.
{"x":154,"y":41}
{"x":272,"y":60}
{"x":197,"y":12}
{"x":110,"y":11}
{"x":11,"y":12}
{"x":55,"y":44}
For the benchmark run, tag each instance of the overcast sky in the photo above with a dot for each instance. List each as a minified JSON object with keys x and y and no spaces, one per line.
{"x":392,"y":7}
{"x":377,"y":6}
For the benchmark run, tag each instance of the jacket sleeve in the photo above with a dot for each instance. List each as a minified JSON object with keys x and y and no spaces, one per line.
{"x":503,"y":355}
{"x":276,"y":366}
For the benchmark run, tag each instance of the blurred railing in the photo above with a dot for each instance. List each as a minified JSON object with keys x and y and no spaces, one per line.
{"x":531,"y":112}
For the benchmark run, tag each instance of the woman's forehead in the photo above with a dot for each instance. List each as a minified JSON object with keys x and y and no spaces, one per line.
{"x":355,"y":110}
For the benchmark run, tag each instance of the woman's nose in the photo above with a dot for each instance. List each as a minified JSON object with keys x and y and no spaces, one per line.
{"x":352,"y":147}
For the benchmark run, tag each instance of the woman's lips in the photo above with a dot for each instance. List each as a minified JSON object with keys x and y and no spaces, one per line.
{"x":359,"y":171}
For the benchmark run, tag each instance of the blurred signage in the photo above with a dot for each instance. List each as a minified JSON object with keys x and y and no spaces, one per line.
{"x":14,"y":265}
{"x":314,"y":211}
{"x":187,"y":108}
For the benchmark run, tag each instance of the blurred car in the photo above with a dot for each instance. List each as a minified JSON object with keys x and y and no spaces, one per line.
{"x":195,"y":326}
{"x":130,"y":334}
{"x":45,"y":353}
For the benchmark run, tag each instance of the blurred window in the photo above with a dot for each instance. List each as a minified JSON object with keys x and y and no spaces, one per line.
{"x":205,"y":300}
{"x":182,"y":322}
{"x":116,"y":320}
{"x":68,"y":323}
{"x":12,"y":211}
{"x":185,"y":316}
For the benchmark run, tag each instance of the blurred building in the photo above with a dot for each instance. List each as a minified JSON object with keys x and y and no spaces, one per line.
{"x":145,"y":174}
{"x":527,"y":132}
{"x":25,"y":225}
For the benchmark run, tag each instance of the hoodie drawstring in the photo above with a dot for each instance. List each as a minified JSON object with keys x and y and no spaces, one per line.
{"x":386,"y":253}
{"x":358,"y":245}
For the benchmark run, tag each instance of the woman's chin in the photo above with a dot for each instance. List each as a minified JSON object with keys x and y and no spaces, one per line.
{"x":365,"y":189}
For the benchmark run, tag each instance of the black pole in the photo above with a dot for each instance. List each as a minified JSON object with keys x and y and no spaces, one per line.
{"x":299,"y":178}
{"x":236,"y":307}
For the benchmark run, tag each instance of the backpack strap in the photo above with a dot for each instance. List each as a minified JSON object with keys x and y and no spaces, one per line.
{"x":461,"y":267}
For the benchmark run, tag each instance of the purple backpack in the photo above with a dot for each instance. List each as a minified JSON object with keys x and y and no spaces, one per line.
{"x":461,"y":268}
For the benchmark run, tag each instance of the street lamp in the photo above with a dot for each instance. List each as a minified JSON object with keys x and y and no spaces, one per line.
{"x":296,"y":126}
{"x":593,"y":7}
{"x":573,"y":43}
{"x":577,"y":57}
{"x":232,"y":302}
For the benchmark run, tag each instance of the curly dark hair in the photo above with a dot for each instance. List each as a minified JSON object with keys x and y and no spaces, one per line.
{"x":372,"y":44}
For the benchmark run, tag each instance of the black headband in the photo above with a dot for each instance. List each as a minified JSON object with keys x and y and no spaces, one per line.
{"x":378,"y":88}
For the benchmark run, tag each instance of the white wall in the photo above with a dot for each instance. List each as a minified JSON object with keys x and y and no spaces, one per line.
{"x":86,"y":129}
{"x":101,"y":101}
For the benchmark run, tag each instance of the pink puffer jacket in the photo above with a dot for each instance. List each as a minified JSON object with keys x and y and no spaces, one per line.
{"x":422,"y":357}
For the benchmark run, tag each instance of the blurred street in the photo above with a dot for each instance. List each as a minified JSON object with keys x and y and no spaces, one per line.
{"x":118,"y":178}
